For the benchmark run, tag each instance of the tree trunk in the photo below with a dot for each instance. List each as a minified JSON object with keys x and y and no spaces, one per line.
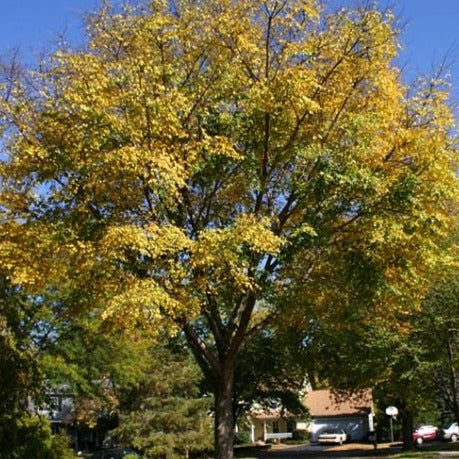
{"x":407,"y":428}
{"x":454,"y":378}
{"x":224,"y":423}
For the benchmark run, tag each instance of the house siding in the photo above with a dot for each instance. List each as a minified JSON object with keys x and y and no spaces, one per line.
{"x":260,"y":428}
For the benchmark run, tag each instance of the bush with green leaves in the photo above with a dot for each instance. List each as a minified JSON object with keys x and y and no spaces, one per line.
{"x":242,"y":438}
{"x":301,"y":435}
{"x":25,"y":436}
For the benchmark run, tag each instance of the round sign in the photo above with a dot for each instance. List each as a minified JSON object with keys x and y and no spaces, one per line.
{"x":391,"y":411}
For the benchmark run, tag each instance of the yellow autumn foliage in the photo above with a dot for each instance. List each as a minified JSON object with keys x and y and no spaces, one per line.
{"x":222,"y":162}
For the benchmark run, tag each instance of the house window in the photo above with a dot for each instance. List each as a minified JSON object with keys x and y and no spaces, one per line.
{"x":275,"y":426}
{"x":290,"y":425}
{"x":55,"y":403}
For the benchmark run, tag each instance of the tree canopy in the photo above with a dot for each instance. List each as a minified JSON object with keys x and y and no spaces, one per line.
{"x":216,"y":174}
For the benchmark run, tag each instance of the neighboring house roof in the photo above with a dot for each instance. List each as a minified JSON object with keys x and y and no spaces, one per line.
{"x":325,"y":403}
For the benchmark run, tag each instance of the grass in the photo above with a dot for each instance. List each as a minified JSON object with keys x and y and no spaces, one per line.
{"x":428,"y":451}
{"x":418,"y":454}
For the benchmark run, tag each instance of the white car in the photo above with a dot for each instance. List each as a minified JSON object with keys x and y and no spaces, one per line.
{"x":333,"y":436}
{"x":452,"y":432}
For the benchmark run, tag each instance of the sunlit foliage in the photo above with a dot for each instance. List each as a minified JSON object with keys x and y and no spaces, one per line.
{"x":216,"y":164}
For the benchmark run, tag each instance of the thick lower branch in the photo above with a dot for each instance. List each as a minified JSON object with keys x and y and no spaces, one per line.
{"x":206,"y":359}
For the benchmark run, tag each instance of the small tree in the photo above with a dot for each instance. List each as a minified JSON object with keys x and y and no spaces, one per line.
{"x":22,"y":434}
{"x":168,"y":418}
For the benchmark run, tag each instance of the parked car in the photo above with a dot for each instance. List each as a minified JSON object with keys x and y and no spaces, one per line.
{"x":425,"y":433}
{"x":333,"y":436}
{"x":452,"y":432}
{"x":116,"y":453}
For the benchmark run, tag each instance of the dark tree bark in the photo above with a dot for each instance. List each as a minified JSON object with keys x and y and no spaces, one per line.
{"x":218,"y":369}
{"x":454,"y":399}
{"x":224,"y":422}
{"x":407,"y":428}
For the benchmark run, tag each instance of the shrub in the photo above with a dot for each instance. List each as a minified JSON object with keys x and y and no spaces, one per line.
{"x":25,"y":436}
{"x":242,"y":438}
{"x":301,"y":435}
{"x":61,"y":446}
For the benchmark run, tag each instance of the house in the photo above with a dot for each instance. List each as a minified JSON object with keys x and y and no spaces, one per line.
{"x":61,"y":409}
{"x":273,"y":424}
{"x":353,"y":413}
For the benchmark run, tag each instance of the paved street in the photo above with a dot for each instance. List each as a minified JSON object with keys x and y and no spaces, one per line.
{"x":351,"y":450}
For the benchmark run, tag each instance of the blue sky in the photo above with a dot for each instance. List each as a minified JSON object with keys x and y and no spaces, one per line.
{"x":34,"y":24}
{"x":431,"y":29}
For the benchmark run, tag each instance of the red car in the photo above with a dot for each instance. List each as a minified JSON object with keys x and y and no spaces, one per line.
{"x":425,"y":433}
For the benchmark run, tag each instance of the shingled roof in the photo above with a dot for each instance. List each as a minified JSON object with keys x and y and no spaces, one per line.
{"x":326,"y":403}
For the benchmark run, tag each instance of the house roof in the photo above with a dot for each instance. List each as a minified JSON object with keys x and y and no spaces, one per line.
{"x":322,"y":403}
{"x":272,"y":416}
{"x":269,"y":414}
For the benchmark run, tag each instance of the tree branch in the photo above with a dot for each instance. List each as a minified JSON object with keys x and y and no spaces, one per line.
{"x":206,"y":359}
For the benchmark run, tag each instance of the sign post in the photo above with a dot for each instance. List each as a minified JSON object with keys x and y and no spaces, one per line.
{"x":391,"y":411}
